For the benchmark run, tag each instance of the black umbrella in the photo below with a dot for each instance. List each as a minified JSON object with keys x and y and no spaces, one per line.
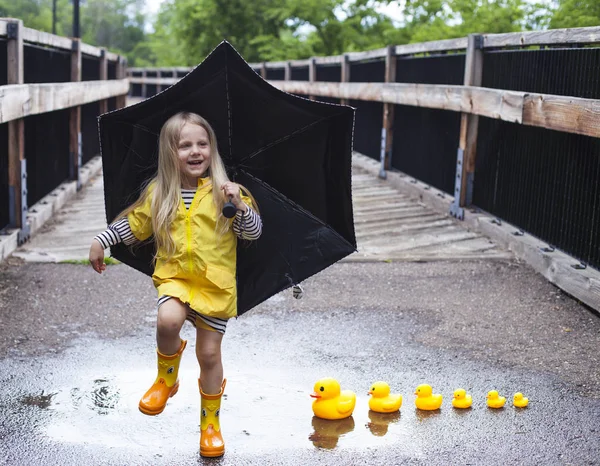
{"x":293,"y":154}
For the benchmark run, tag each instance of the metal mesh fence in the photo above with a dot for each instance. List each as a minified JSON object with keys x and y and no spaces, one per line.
{"x":543,"y":181}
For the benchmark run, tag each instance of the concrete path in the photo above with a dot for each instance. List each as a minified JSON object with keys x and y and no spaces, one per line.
{"x":389,"y":226}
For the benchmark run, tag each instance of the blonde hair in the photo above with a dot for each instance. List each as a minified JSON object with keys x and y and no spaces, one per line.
{"x":166,"y":185}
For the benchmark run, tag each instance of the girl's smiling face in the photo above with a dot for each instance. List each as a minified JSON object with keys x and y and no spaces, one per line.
{"x":193,"y":153}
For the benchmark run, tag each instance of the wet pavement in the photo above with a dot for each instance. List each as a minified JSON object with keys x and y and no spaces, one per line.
{"x":77,"y":352}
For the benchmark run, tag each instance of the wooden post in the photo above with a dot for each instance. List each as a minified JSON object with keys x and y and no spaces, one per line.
{"x":121,"y":101}
{"x":345,"y":74}
{"x":17,"y":168}
{"x":288,"y":71}
{"x":467,"y":150}
{"x":75,"y":117}
{"x":312,"y":74}
{"x":388,"y":115}
{"x":263,"y":70}
{"x":159,"y":75}
{"x":103,"y":77}
{"x":144,"y":85}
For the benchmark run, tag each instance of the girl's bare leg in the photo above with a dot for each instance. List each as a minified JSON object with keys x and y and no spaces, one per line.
{"x":208,"y":352}
{"x":171,"y":317}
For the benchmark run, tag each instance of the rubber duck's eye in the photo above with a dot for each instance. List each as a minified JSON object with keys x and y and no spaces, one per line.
{"x":322,"y":389}
{"x":373,"y":389}
{"x":217,"y":412}
{"x":203,"y":412}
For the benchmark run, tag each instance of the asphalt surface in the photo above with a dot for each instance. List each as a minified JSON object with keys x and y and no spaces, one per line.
{"x":77,"y":352}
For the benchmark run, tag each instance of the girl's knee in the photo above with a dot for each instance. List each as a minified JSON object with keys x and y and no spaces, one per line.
{"x":171,"y":316}
{"x":208,"y":355}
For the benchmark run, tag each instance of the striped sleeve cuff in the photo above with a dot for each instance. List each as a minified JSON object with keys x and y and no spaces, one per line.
{"x":118,"y":232}
{"x":247,"y":225}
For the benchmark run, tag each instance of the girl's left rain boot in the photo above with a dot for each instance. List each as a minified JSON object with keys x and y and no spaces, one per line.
{"x":166,"y":384}
{"x":211,"y":440}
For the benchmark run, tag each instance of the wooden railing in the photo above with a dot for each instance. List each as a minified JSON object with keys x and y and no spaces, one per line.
{"x":19,"y":100}
{"x":556,"y":112}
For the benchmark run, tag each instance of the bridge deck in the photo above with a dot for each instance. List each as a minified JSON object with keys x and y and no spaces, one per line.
{"x":389,"y":226}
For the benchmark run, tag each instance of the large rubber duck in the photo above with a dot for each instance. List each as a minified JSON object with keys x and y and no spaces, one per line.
{"x":461,"y":399}
{"x":426,"y":400}
{"x":520,"y":401}
{"x":381,"y":401}
{"x":330,"y":402}
{"x":494,"y":400}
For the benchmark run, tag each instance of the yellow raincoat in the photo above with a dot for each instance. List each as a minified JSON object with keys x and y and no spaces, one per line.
{"x":202,"y":272}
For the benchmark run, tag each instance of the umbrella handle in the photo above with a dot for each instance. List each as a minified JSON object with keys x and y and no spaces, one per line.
{"x":229,"y":209}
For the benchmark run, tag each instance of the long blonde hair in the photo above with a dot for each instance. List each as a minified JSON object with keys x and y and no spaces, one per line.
{"x":166,"y":185}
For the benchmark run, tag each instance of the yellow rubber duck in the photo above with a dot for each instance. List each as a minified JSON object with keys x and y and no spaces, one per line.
{"x":426,"y":400}
{"x":381,"y":401}
{"x":330,"y":402}
{"x":494,"y":400}
{"x":461,"y":399}
{"x":520,"y":401}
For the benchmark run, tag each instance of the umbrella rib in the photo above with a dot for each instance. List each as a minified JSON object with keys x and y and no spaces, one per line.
{"x":285,"y":138}
{"x":228,"y":104}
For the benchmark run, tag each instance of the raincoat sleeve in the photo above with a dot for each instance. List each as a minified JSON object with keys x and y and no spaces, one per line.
{"x":140,"y":219}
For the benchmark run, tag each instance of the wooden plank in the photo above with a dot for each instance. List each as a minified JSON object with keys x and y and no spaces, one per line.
{"x":34,"y":36}
{"x":560,"y":113}
{"x":87,"y":49}
{"x":493,"y":103}
{"x":152,"y":80}
{"x":3,"y":26}
{"x":432,"y":46}
{"x":469,"y":125}
{"x":368,"y":55}
{"x":587,"y":35}
{"x":110,"y":56}
{"x":18,"y":101}
{"x":16,"y":129}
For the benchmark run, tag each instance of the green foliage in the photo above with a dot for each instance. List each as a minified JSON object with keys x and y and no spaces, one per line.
{"x":186,"y":31}
{"x":576,"y":13}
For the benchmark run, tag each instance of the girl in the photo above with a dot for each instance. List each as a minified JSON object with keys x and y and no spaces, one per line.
{"x":195,"y":261}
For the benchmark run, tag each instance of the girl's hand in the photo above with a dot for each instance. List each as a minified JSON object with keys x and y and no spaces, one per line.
{"x":232,"y":191}
{"x":97,"y":257}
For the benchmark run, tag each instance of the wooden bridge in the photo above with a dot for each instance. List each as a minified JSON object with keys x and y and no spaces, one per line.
{"x":412,"y":201}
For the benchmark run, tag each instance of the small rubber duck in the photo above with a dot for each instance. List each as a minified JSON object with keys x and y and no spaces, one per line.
{"x":520,"y":401}
{"x":381,"y":401}
{"x":461,"y":399}
{"x":330,"y":401}
{"x":494,"y":400}
{"x":426,"y":400}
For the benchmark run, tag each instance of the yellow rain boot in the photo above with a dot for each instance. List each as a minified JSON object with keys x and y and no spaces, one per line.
{"x":166,"y":384}
{"x":211,"y":440}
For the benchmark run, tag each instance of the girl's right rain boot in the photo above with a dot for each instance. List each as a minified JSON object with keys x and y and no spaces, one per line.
{"x":166,"y":384}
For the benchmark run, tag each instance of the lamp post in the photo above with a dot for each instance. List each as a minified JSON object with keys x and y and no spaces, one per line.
{"x":76,"y":32}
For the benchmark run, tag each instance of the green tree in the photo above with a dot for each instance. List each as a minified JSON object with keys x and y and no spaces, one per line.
{"x":37,"y":14}
{"x":576,"y":13}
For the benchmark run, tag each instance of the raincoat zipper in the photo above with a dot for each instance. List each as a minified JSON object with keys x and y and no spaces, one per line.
{"x":188,"y":228}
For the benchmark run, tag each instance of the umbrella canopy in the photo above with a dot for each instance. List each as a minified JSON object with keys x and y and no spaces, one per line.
{"x":293,"y":154}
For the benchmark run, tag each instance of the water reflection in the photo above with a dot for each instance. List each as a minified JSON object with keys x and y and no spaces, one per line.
{"x":422,"y":415}
{"x":327,"y":432}
{"x":103,"y":397}
{"x":379,"y":422}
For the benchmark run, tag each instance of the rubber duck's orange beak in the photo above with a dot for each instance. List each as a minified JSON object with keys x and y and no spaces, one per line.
{"x":315,"y":395}
{"x":370,"y":392}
